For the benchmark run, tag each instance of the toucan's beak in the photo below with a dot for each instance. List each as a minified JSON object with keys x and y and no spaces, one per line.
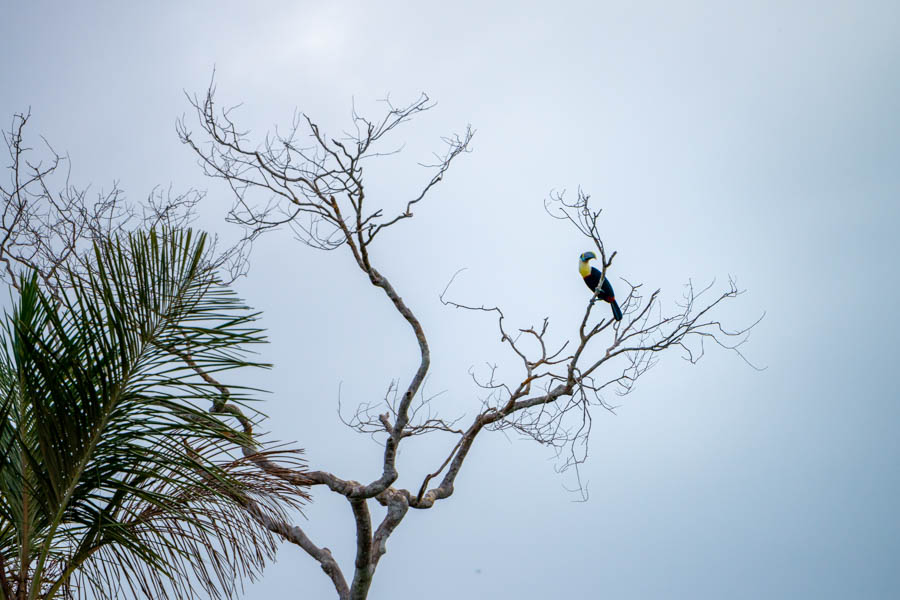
{"x":587,"y":256}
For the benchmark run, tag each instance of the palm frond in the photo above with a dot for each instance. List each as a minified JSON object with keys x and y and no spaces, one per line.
{"x":113,"y":463}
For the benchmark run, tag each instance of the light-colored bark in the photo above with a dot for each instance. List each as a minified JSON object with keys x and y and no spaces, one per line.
{"x":322,"y":196}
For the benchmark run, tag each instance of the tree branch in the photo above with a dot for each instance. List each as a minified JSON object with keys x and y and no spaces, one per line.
{"x":315,"y":185}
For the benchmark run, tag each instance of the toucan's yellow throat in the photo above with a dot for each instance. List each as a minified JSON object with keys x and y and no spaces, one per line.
{"x":584,"y":268}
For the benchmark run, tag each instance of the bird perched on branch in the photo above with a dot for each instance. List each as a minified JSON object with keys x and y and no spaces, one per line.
{"x":592,"y":277}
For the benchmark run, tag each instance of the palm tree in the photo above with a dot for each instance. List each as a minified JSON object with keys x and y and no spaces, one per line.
{"x":116,"y":478}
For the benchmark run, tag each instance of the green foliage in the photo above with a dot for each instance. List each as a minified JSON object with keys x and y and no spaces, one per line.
{"x":115,"y":477}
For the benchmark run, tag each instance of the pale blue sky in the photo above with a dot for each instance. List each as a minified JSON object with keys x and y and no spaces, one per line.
{"x":760,"y":140}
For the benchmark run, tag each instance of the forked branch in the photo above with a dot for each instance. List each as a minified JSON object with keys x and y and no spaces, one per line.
{"x":313,"y":183}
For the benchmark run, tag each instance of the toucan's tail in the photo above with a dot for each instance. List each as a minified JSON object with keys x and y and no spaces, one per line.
{"x":617,"y":312}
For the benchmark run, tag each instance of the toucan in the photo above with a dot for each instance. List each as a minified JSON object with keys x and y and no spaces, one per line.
{"x":592,"y":277}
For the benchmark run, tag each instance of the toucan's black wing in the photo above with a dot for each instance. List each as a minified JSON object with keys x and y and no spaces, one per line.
{"x":606,"y":290}
{"x":592,"y":280}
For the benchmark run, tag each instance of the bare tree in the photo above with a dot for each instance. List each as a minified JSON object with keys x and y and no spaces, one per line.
{"x":313,"y":183}
{"x":44,"y":229}
{"x":48,"y":224}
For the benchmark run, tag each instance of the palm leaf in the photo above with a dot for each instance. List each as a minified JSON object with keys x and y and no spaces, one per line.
{"x":112,"y":463}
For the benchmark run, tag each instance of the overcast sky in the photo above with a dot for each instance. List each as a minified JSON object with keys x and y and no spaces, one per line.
{"x":756,"y":139}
